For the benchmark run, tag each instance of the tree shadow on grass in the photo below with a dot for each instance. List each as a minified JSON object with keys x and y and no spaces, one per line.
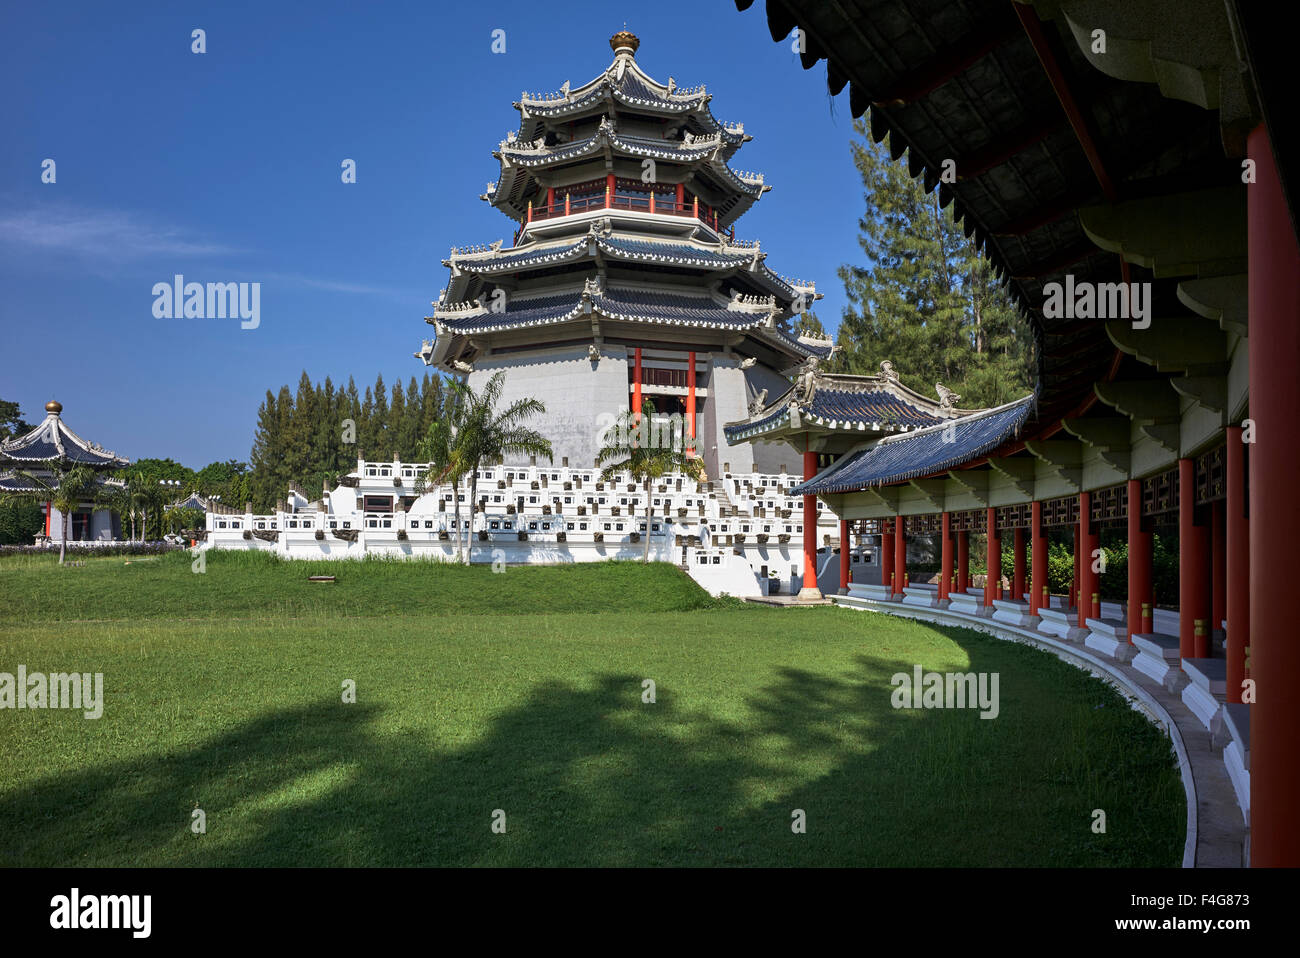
{"x":590,"y":775}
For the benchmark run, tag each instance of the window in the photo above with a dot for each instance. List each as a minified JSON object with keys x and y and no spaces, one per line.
{"x":494,"y":525}
{"x":347,"y":525}
{"x":532,"y":525}
{"x":582,"y":525}
{"x":221,"y":525}
{"x":569,"y":526}
{"x":334,"y":524}
{"x":428,"y":523}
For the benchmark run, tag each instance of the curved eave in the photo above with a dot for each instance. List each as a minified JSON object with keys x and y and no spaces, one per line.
{"x":922,"y":452}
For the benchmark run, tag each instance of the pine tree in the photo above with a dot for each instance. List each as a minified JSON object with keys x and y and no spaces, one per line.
{"x":379,"y":426}
{"x":265,"y":454}
{"x":926,"y":299}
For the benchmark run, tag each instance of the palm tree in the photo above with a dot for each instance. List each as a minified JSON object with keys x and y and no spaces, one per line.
{"x":69,"y":487}
{"x":446,"y":464}
{"x":629,"y":446}
{"x":487,"y":437}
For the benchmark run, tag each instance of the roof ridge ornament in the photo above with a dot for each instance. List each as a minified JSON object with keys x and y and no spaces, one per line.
{"x":625,"y":40}
{"x":947,"y":398}
{"x":887,"y":371}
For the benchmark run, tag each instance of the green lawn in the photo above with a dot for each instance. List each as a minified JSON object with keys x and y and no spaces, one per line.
{"x":522,"y":691}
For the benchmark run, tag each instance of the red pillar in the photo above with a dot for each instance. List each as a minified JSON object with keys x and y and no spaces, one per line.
{"x":887,"y":552}
{"x":1218,"y":567}
{"x":992,"y":558}
{"x":809,"y":532}
{"x":1139,"y":561}
{"x":636,"y":384}
{"x":690,"y":402}
{"x":900,"y":555}
{"x":963,"y":561}
{"x":1018,"y":564}
{"x":1074,"y":583}
{"x":681,"y":198}
{"x":1274,"y":344}
{"x":1193,"y":549}
{"x":550,"y":200}
{"x":844,"y":556}
{"x":1237,"y":563}
{"x":49,"y":507}
{"x":566,"y":204}
{"x":609,"y":190}
{"x":1089,"y":541}
{"x":1038,"y":569}
{"x":945,"y":558}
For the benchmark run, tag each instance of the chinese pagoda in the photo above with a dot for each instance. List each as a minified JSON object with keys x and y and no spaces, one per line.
{"x":625,"y":282}
{"x":33,"y":463}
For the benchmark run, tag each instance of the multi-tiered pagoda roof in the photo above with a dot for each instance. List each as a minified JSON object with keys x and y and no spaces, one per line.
{"x":625,"y":200}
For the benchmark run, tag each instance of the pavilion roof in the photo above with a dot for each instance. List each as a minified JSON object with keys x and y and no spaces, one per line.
{"x":537,"y":154}
{"x":843,"y":403}
{"x":626,"y":85}
{"x":53,"y":442}
{"x":933,"y":449}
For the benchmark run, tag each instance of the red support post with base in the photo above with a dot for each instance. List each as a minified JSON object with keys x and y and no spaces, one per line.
{"x":1139,"y":561}
{"x":1273,"y":270}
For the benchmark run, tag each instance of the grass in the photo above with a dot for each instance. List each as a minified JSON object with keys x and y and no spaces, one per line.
{"x":523,"y":692}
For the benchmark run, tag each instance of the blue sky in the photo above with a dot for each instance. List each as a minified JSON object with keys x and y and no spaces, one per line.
{"x":225,"y":167}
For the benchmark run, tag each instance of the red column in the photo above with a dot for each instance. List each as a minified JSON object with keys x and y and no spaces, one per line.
{"x":1038,"y":569}
{"x":1193,"y":597}
{"x":530,"y":211}
{"x":1274,"y":344}
{"x":887,"y":552}
{"x":1218,"y":567}
{"x":963,"y":561}
{"x":49,"y":507}
{"x":566,"y":204}
{"x":1074,"y":583}
{"x":636,"y":385}
{"x":550,"y":200}
{"x":609,"y":190}
{"x":809,"y":531}
{"x":1084,"y":559}
{"x":900,"y":555}
{"x":681,"y":198}
{"x":690,"y":402}
{"x":844,"y":556}
{"x":945,"y":557}
{"x":1018,"y":564}
{"x":992,"y":558}
{"x":1139,"y":560}
{"x":1237,"y":562}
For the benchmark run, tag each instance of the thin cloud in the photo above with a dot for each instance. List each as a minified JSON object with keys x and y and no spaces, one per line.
{"x":101,"y":234}
{"x":336,"y":286}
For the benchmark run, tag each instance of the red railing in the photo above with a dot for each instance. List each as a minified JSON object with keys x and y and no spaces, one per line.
{"x":621,"y":200}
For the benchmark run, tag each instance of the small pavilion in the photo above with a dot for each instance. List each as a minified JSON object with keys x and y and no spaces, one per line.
{"x":32,"y":464}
